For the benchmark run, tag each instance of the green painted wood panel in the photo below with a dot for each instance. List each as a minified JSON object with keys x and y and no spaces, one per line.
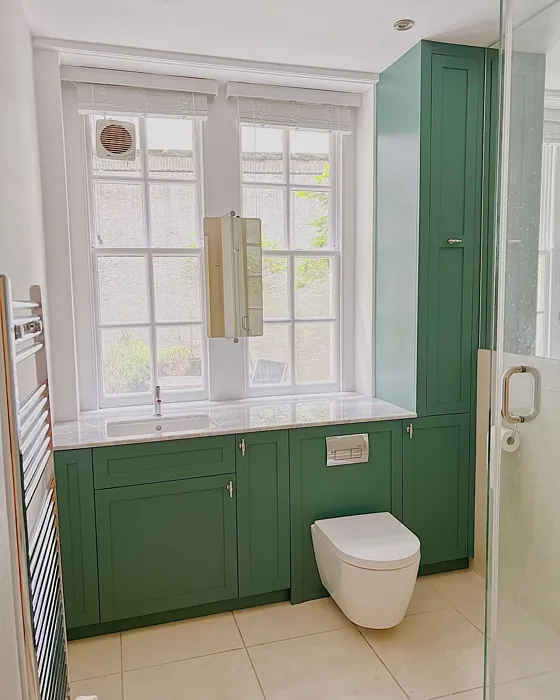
{"x":396,"y":240}
{"x":78,"y":543}
{"x":263,"y":512}
{"x":490,"y":196}
{"x":165,"y":546}
{"x":436,"y":468}
{"x":448,"y":278}
{"x":318,"y":491}
{"x":145,"y":463}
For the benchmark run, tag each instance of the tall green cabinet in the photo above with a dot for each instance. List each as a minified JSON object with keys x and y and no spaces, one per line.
{"x":436,"y":129}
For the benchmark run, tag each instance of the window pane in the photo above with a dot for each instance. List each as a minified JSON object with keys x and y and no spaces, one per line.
{"x":314,"y":352}
{"x":119,"y":213}
{"x":180,"y":357}
{"x":170,"y":147}
{"x":173,"y":214}
{"x":309,"y":157}
{"x":101,"y":166}
{"x":314,"y":287}
{"x":275,"y":288}
{"x":177,"y":288}
{"x":125,"y":361}
{"x":269,"y":355}
{"x":310,"y":219}
{"x":123,"y":296}
{"x":267,"y":205}
{"x":262,"y":154}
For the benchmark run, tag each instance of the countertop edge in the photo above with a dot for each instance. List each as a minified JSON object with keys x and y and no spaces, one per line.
{"x":138,"y":439}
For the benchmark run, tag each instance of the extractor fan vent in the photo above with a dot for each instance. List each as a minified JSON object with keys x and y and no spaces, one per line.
{"x":115,"y":140}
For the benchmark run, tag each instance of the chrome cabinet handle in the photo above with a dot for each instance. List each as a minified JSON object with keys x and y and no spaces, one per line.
{"x":454,"y":241}
{"x":536,"y":408}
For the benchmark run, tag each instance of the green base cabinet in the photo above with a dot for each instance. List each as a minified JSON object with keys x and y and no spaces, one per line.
{"x":436,"y":494}
{"x":318,"y":491}
{"x":166,"y":546}
{"x":78,"y":543}
{"x":263,"y":512}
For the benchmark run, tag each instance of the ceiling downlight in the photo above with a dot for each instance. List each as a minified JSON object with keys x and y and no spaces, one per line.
{"x":402,"y":25}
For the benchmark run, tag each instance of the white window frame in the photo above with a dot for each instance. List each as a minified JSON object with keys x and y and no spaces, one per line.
{"x":226,"y":369}
{"x":336,"y":234}
{"x":148,"y":253}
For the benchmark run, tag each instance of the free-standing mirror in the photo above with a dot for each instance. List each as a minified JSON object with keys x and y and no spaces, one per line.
{"x":234,"y":288}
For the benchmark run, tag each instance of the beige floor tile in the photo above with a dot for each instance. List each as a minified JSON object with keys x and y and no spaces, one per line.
{"x":426,"y":598}
{"x":100,"y":656}
{"x":432,"y":654}
{"x":104,"y":687}
{"x":460,"y":587}
{"x":474,"y":612}
{"x":549,"y":683}
{"x":272,"y":623}
{"x":226,"y":676}
{"x":524,"y":644}
{"x":477,"y":694}
{"x":525,"y":689}
{"x":177,"y":641}
{"x":335,"y":665}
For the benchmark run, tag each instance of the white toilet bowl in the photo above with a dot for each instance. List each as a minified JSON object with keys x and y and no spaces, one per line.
{"x":369,"y":564}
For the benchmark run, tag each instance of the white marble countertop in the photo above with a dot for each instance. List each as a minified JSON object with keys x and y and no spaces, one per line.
{"x":244,"y":416}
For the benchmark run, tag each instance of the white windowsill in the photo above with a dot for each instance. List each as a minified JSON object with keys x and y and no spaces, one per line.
{"x":242,"y":416}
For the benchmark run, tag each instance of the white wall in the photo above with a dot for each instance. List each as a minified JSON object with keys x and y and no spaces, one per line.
{"x":21,"y":254}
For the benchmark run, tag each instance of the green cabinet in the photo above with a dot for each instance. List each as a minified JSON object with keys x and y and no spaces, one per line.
{"x":166,"y":546}
{"x":430,"y":122}
{"x":145,"y":462}
{"x":78,"y":543}
{"x":436,"y":494}
{"x":318,"y":491}
{"x":263,"y":512}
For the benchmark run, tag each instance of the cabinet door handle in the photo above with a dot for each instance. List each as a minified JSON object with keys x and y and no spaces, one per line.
{"x":454,"y":241}
{"x":410,"y":430}
{"x":229,"y":487}
{"x":242,"y":447}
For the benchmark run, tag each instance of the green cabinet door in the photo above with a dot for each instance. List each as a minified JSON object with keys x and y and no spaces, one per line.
{"x":263,"y":512}
{"x":436,"y":493}
{"x":166,"y":546}
{"x":450,"y":226}
{"x":318,"y":491}
{"x":78,"y":544}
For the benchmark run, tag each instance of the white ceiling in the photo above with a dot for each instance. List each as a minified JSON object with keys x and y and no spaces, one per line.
{"x":340,"y":34}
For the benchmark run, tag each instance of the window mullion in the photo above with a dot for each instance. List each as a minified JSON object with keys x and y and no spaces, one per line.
{"x":149,"y":257}
{"x":292,"y":287}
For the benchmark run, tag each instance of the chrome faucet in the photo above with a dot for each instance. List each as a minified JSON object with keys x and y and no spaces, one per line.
{"x":157,"y":401}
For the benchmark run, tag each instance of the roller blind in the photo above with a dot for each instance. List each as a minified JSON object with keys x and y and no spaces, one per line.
{"x":116,"y":91}
{"x":114,"y":99}
{"x":295,"y":108}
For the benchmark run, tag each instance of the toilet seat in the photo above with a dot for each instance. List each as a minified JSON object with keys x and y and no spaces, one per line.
{"x":376,"y":541}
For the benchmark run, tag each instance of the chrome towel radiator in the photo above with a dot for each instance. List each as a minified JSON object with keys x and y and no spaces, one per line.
{"x":27,"y":455}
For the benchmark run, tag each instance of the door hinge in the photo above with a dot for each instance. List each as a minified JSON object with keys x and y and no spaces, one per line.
{"x":242,"y":446}
{"x":410,"y":430}
{"x":229,"y":487}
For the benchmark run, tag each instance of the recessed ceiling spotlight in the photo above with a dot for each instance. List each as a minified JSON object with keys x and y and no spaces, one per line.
{"x":402,"y":25}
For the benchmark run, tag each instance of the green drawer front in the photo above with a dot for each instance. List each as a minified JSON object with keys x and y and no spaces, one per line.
{"x":149,"y":463}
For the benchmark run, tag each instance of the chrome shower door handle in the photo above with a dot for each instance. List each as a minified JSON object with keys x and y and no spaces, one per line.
{"x":536,"y":408}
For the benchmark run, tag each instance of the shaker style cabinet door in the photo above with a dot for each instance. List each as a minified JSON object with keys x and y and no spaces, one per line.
{"x":166,"y":546}
{"x":436,"y":485}
{"x":263,"y":512}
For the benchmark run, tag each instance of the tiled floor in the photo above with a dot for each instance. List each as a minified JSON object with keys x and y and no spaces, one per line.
{"x":311,"y":651}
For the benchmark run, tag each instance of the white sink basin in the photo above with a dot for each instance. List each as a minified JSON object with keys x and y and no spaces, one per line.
{"x":160,"y":426}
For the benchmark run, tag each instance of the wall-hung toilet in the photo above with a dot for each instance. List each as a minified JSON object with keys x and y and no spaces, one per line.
{"x":369,"y":564}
